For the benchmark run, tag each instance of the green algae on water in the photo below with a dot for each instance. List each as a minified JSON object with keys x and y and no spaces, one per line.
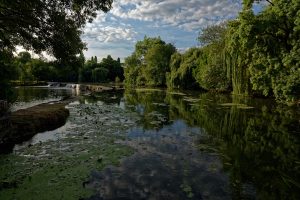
{"x":57,"y":169}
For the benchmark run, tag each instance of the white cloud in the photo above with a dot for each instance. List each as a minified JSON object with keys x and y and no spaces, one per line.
{"x":176,"y":21}
{"x":187,"y":14}
{"x":102,"y":33}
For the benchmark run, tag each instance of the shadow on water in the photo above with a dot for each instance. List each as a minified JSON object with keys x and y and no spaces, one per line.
{"x":205,"y":146}
{"x":187,"y":146}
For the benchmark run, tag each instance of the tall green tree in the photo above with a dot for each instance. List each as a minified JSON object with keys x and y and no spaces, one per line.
{"x":212,"y":34}
{"x":149,"y":62}
{"x":181,"y":69}
{"x":264,"y":50}
{"x":132,"y":70}
{"x":212,"y":72}
{"x":114,"y":68}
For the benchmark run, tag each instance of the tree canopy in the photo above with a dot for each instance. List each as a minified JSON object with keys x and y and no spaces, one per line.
{"x":149,"y":62}
{"x":42,"y":25}
{"x":212,"y":34}
{"x":255,"y":54}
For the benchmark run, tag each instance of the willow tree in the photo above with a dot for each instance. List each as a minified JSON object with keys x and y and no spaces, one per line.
{"x":238,"y":54}
{"x":211,"y":72}
{"x":264,"y":50}
{"x":181,"y":69}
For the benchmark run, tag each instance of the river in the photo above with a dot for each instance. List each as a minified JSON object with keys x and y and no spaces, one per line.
{"x":157,"y":144}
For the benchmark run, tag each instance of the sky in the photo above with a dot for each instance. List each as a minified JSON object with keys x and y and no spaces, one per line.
{"x":175,"y":21}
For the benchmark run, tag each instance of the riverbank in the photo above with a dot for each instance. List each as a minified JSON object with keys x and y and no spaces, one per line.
{"x":23,"y":124}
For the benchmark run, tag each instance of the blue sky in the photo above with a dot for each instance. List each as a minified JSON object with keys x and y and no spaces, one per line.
{"x":175,"y":21}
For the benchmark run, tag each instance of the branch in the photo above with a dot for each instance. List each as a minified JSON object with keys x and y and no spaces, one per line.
{"x":270,"y":2}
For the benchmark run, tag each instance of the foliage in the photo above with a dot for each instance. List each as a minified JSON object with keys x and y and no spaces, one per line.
{"x":7,"y":71}
{"x":26,"y":69}
{"x":149,"y":63}
{"x":264,"y":51}
{"x":107,"y":70}
{"x":52,"y":26}
{"x":181,"y":69}
{"x":212,"y":34}
{"x":132,"y":71}
{"x":212,"y":72}
{"x":114,"y":68}
{"x":99,"y":74}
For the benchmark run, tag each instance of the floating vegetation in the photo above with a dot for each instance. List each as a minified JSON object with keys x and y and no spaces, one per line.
{"x":241,"y":106}
{"x":177,"y":93}
{"x":191,"y":100}
{"x":148,"y":90}
{"x":57,"y":169}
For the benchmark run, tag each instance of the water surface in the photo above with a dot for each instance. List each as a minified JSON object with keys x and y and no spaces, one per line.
{"x":31,"y":96}
{"x":186,"y":146}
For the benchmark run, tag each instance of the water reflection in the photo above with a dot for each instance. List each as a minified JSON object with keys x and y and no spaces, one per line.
{"x":205,"y":146}
{"x":31,"y":96}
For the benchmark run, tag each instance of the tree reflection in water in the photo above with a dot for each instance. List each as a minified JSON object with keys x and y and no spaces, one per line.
{"x":206,"y":146}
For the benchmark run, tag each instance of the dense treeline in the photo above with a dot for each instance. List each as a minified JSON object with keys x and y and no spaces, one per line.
{"x":107,"y":70}
{"x":256,"y":54}
{"x":27,"y":69}
{"x":23,"y":69}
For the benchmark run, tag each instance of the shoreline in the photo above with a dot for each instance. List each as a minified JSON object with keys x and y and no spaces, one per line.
{"x":23,"y":124}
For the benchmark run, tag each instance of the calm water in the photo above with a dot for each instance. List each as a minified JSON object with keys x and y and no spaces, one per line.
{"x":206,"y":146}
{"x":198,"y":146}
{"x":31,"y":96}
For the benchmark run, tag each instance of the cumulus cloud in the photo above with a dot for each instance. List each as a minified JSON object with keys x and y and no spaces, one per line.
{"x":107,"y":33}
{"x":187,"y":14}
{"x":176,"y":21}
{"x":103,"y":32}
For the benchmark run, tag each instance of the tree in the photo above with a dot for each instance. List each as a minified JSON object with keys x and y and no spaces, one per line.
{"x":24,"y":57}
{"x":7,"y":72}
{"x":99,"y":74}
{"x":132,"y":70}
{"x":149,"y":62}
{"x":264,"y":50}
{"x":114,"y":68}
{"x":182,"y":67}
{"x":212,"y":34}
{"x":212,"y":72}
{"x":42,"y":25}
{"x":43,"y":71}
